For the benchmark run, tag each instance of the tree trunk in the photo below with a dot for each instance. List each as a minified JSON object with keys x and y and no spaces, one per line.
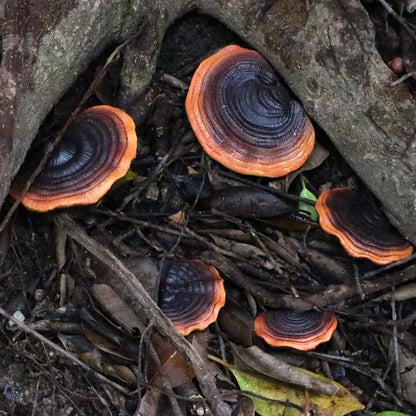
{"x":326,"y":55}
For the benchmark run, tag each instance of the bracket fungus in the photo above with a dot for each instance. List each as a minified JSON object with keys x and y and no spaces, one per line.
{"x":361,"y":227}
{"x":94,"y":152}
{"x":300,"y":330}
{"x":244,"y":117}
{"x":191,"y":294}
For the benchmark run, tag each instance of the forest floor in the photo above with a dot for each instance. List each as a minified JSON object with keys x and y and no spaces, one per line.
{"x":46,"y":279}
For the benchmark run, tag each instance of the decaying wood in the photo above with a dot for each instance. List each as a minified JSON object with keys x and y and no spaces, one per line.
{"x":325,"y":53}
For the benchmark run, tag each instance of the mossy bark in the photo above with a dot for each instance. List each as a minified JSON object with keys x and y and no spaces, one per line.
{"x":326,"y":54}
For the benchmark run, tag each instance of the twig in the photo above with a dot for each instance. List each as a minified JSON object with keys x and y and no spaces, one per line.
{"x":357,"y":281}
{"x":369,"y":322}
{"x":188,"y":217}
{"x":383,"y":269}
{"x":35,"y":402}
{"x":143,"y":300}
{"x":166,"y":383}
{"x":410,"y":6}
{"x":180,"y":232}
{"x":250,"y":394}
{"x":164,"y":162}
{"x":52,"y":378}
{"x":336,"y":293}
{"x":62,"y":352}
{"x":267,"y":297}
{"x":403,"y":78}
{"x":398,"y":18}
{"x":246,"y":226}
{"x":396,"y":346}
{"x":373,"y":375}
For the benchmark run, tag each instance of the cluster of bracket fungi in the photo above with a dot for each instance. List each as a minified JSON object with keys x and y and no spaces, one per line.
{"x":245,"y":119}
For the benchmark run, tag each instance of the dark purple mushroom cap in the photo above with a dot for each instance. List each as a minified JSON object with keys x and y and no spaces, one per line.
{"x":243,"y":116}
{"x":299,"y":330}
{"x":95,"y":151}
{"x":191,"y":294}
{"x":362,"y":228}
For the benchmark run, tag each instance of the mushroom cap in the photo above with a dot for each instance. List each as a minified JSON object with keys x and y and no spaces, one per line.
{"x":362,"y":228}
{"x":299,"y":330}
{"x":244,"y":117}
{"x":191,"y":294}
{"x":94,"y":152}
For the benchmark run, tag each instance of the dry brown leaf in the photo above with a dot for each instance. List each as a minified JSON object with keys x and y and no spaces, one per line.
{"x":407,"y":366}
{"x":116,"y":308}
{"x":237,"y":323}
{"x":242,"y":249}
{"x":127,"y":350}
{"x":149,"y":403}
{"x":245,"y":406}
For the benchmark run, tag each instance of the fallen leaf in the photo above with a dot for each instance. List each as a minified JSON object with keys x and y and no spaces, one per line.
{"x":178,"y":218}
{"x":249,"y":202}
{"x":237,"y":323}
{"x":122,"y":372}
{"x":310,"y":209}
{"x":329,"y":268}
{"x":75,"y":344}
{"x":407,"y":368}
{"x":128,"y":350}
{"x":176,"y":368}
{"x":150,"y":403}
{"x":255,"y":359}
{"x":117,"y":308}
{"x":391,"y":413}
{"x":340,"y":404}
{"x":242,"y":249}
{"x":245,"y":406}
{"x":317,"y":157}
{"x":95,"y":360}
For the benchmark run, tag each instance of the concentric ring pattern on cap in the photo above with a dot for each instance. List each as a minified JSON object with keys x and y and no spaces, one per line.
{"x":362,"y":228}
{"x":243,"y":116}
{"x":299,"y":330}
{"x":191,"y":294}
{"x":95,"y":151}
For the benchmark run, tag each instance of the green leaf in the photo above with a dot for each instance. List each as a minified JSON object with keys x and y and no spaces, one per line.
{"x":307,"y":194}
{"x":339,"y":404}
{"x":391,"y":413}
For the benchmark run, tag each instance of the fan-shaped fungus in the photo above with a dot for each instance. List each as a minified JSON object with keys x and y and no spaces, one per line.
{"x":95,"y":151}
{"x":191,"y":294}
{"x":243,"y":116}
{"x":362,"y":228}
{"x":299,"y":330}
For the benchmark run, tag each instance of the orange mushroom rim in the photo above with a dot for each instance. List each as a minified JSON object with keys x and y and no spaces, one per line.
{"x":191,"y":294}
{"x":96,"y":150}
{"x":299,"y":330}
{"x":243,"y":116}
{"x":363,"y":230}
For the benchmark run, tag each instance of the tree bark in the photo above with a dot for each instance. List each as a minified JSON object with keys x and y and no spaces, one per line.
{"x":326,"y":55}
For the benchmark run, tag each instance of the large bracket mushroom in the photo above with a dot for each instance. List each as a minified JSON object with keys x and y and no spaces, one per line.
{"x":325,"y":53}
{"x":94,"y":152}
